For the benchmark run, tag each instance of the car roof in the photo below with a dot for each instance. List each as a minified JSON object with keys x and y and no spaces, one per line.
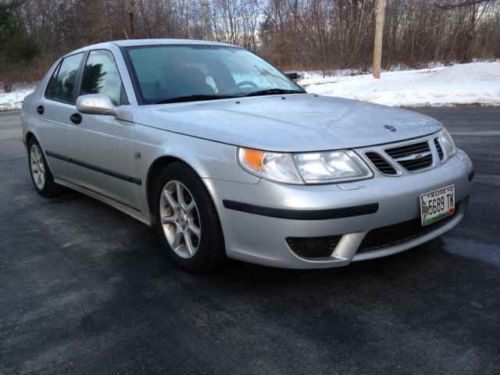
{"x":150,"y":42}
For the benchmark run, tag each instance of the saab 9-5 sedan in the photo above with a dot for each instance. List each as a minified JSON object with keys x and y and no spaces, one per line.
{"x":228,"y":157}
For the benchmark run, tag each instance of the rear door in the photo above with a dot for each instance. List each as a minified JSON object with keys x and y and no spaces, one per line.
{"x":54,"y":111}
{"x":101,"y":145}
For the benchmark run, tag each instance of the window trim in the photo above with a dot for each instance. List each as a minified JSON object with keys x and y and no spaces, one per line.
{"x":54,"y":73}
{"x":78,"y":78}
{"x":124,"y":91}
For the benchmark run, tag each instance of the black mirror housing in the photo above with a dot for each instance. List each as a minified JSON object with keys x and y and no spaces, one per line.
{"x":293,"y":76}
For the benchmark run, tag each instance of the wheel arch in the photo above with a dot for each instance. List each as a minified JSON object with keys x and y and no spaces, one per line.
{"x":155,"y":170}
{"x":28,"y":137}
{"x":157,"y":166}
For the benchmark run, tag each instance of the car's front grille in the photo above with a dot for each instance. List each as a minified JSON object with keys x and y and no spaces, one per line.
{"x":381,"y":164}
{"x":438,"y":148}
{"x":313,"y":247}
{"x":407,"y":150}
{"x":412,"y":157}
{"x":419,"y":163}
{"x":398,"y":233}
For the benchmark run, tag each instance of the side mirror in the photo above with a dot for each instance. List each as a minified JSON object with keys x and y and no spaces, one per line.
{"x":293,"y":76}
{"x":96,"y":104}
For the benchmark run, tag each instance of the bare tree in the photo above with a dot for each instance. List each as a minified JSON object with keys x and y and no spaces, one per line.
{"x":294,"y":34}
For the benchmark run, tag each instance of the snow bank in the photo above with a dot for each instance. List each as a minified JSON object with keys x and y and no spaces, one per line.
{"x":13,"y":100}
{"x":474,"y":83}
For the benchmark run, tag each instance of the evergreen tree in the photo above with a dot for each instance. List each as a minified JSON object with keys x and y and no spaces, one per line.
{"x":16,"y":47}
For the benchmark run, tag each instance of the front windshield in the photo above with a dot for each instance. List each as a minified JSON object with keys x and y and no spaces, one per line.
{"x":166,"y":74}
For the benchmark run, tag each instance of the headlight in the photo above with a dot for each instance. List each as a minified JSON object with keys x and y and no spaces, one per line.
{"x":331,"y":166}
{"x":447,"y":144}
{"x":309,"y":168}
{"x":271,"y":165}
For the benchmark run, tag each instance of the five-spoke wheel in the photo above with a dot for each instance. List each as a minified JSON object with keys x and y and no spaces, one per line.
{"x":37,"y":166}
{"x":40,"y":171}
{"x":186,"y":218}
{"x":180,"y":219}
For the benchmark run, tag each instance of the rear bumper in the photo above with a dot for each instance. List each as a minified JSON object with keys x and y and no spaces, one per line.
{"x":258,"y":218}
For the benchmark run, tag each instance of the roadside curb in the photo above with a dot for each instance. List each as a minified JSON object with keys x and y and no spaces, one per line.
{"x":9,"y":112}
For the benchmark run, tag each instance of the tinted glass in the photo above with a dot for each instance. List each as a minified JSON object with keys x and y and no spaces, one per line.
{"x":62,"y":85}
{"x":165,"y":72}
{"x":100,"y":76}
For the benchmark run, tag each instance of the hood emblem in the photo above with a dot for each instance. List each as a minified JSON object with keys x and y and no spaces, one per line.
{"x":390,"y":128}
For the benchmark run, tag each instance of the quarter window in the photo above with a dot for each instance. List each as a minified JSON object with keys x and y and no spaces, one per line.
{"x":101,"y":76}
{"x":62,"y":84}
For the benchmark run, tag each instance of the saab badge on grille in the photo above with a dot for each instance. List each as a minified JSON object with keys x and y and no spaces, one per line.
{"x":390,"y":128}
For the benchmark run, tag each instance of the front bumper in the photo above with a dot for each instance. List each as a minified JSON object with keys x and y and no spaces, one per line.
{"x":260,"y":236}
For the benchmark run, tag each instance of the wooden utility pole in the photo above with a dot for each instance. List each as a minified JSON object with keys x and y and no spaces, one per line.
{"x":379,"y":34}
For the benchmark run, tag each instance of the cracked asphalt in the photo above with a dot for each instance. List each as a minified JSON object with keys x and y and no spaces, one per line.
{"x":85,"y":289}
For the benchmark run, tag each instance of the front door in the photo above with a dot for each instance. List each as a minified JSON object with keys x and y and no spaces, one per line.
{"x":101,"y":145}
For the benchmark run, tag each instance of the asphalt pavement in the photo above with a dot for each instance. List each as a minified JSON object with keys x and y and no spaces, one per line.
{"x":10,"y":127}
{"x":85,"y":289}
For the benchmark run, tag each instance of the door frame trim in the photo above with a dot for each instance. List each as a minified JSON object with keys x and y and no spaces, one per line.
{"x":95,"y":168}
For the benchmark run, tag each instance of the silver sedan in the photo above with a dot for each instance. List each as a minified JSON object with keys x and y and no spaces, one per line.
{"x":227,"y":157}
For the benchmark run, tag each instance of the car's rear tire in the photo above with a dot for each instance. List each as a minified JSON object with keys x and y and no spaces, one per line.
{"x":40,"y":173}
{"x":186,"y":219}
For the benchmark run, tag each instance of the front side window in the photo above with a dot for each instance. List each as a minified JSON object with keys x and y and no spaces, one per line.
{"x":173,"y":73}
{"x":101,"y":76}
{"x":62,"y":84}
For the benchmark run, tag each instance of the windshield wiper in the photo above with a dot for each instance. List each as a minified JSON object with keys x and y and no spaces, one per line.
{"x":192,"y":98}
{"x":274,"y":92}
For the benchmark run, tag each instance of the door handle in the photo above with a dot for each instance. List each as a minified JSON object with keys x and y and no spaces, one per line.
{"x":40,"y":109}
{"x":76,"y":118}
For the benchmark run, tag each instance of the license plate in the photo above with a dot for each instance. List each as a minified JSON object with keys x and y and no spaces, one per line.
{"x":437,"y":204}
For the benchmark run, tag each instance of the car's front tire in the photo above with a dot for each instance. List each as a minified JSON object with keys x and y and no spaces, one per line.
{"x":186,"y":219}
{"x":40,"y":173}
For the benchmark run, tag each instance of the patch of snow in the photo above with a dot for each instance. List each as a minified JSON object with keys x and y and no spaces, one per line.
{"x":10,"y":101}
{"x":318,"y":74}
{"x":474,"y":83}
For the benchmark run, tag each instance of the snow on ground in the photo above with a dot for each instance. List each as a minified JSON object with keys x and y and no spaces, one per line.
{"x":474,"y":83}
{"x":14,"y":99}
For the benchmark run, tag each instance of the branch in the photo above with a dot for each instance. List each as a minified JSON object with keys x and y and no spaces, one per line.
{"x":460,"y":4}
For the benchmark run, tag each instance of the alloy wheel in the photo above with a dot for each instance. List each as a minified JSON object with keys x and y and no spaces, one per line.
{"x":37,"y":166}
{"x":180,"y":219}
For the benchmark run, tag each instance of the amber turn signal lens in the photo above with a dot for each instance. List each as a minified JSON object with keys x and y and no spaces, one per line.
{"x":253,"y":158}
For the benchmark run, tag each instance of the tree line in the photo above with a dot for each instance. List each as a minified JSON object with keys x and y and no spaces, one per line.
{"x":293,"y":34}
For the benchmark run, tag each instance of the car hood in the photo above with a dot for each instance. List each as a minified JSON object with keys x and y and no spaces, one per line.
{"x":298,"y":122}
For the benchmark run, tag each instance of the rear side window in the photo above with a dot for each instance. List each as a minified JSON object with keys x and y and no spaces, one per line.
{"x":101,"y":76}
{"x":62,"y":85}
